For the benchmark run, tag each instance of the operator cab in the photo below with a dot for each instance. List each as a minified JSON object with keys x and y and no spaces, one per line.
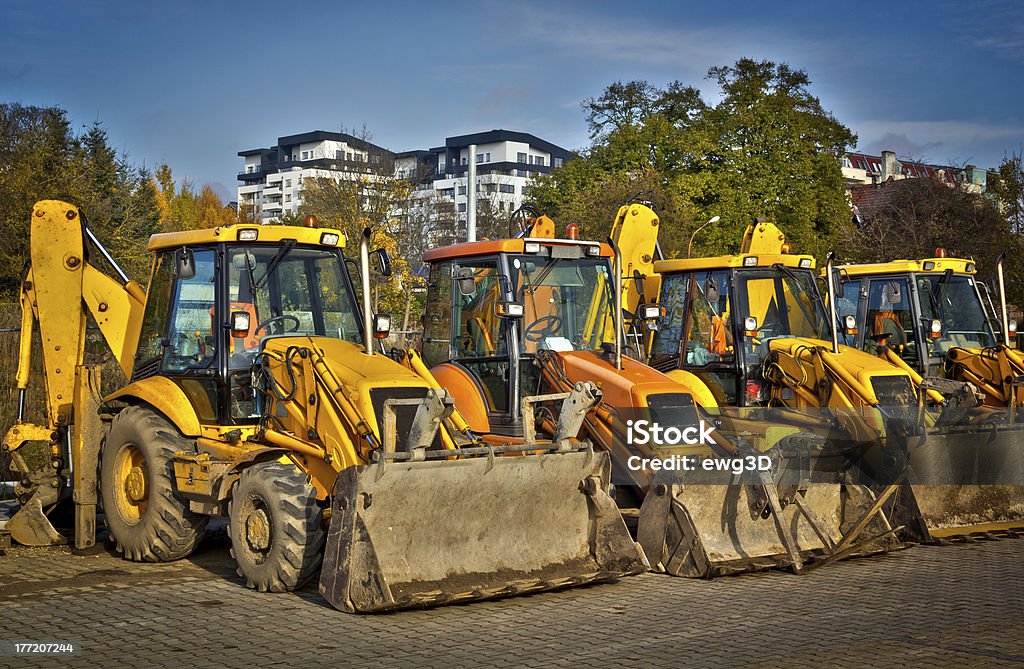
{"x":538,"y":293}
{"x":721,"y":313}
{"x":203,"y":328}
{"x":920,"y":309}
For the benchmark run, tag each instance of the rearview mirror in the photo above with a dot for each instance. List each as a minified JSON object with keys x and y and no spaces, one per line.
{"x":383,"y":262}
{"x":711,"y":292}
{"x":467,"y":285}
{"x":184,"y":264}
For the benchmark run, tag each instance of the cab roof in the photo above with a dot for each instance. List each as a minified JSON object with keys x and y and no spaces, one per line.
{"x":926,"y":265}
{"x":743,"y":260}
{"x":230,"y":233}
{"x":494,"y":247}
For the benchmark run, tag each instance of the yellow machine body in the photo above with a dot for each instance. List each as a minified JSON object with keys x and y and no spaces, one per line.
{"x":417,"y":509}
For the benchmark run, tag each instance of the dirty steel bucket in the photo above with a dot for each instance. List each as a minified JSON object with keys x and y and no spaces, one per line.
{"x":706,"y":530}
{"x":409,"y":534}
{"x":964,"y":481}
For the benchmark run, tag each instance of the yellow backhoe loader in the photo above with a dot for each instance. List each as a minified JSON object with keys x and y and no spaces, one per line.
{"x":929,"y":318}
{"x":536,"y":314}
{"x":255,"y":392}
{"x":751,"y":335}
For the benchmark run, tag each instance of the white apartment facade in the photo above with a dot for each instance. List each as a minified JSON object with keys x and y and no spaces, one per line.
{"x":271,"y":179}
{"x":506,"y":161}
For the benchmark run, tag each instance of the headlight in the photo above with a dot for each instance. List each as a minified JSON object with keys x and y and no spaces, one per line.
{"x":531,"y":247}
{"x":248,"y":234}
{"x":750,"y":261}
{"x":329,"y":238}
{"x":593,"y":250}
{"x":928,"y":265}
{"x":806,"y":263}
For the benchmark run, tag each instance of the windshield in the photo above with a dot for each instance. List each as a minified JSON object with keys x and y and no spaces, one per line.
{"x":783,"y":302}
{"x":290,"y":290}
{"x":567,"y":302}
{"x":954,"y":301}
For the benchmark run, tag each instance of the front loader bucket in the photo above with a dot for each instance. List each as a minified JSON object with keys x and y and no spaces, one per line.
{"x":710,"y":529}
{"x":411,"y":534}
{"x":962,"y":482}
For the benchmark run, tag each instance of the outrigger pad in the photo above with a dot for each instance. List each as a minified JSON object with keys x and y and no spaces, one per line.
{"x":413,"y":534}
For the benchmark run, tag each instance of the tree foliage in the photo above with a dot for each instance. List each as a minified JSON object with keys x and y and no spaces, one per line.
{"x":373,"y":201}
{"x":767,"y":148}
{"x":919,"y":215}
{"x":42,"y":158}
{"x":1007,"y":185}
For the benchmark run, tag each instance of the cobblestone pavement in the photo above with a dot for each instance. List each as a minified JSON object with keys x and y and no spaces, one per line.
{"x":960,"y":605}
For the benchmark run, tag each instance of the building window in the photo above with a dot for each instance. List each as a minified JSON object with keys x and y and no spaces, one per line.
{"x":249,"y":169}
{"x":287,"y":183}
{"x":348,"y":155}
{"x":558,"y":162}
{"x":339,"y":154}
{"x":305,"y":155}
{"x":288,"y":198}
{"x":462,"y":206}
{"x":520,"y":157}
{"x":522,"y":173}
{"x":540,"y":160}
{"x":462,"y":190}
{"x":487,"y":157}
{"x":507,"y":188}
{"x":479,"y":157}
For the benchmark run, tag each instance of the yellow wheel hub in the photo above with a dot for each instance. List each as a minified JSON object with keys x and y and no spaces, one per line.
{"x":257,"y":530}
{"x":131,"y":493}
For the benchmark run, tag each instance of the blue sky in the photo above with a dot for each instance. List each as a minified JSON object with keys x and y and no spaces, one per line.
{"x":192,"y":83}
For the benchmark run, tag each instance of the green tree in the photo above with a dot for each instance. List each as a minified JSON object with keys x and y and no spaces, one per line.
{"x":1007,"y":185}
{"x":768,"y":148}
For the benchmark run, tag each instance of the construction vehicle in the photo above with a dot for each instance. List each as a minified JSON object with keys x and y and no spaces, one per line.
{"x":753,"y":338}
{"x":931,"y":318}
{"x":535,"y":313}
{"x":256,"y":392}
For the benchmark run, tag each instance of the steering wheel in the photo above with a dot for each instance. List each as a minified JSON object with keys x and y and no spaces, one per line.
{"x":545,"y":326}
{"x":279,"y":319}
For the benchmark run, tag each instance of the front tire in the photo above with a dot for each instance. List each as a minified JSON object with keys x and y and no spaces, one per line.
{"x":275,"y":527}
{"x":147,"y":519}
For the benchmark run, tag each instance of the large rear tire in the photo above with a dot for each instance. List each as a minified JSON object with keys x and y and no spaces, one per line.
{"x":275,"y":527}
{"x":147,"y":519}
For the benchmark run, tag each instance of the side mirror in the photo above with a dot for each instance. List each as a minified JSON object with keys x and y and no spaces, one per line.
{"x":240,"y":324}
{"x":383,"y":262}
{"x":467,"y":285}
{"x":381,"y":326}
{"x":508,"y":309}
{"x":711,"y":292}
{"x":184,"y":264}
